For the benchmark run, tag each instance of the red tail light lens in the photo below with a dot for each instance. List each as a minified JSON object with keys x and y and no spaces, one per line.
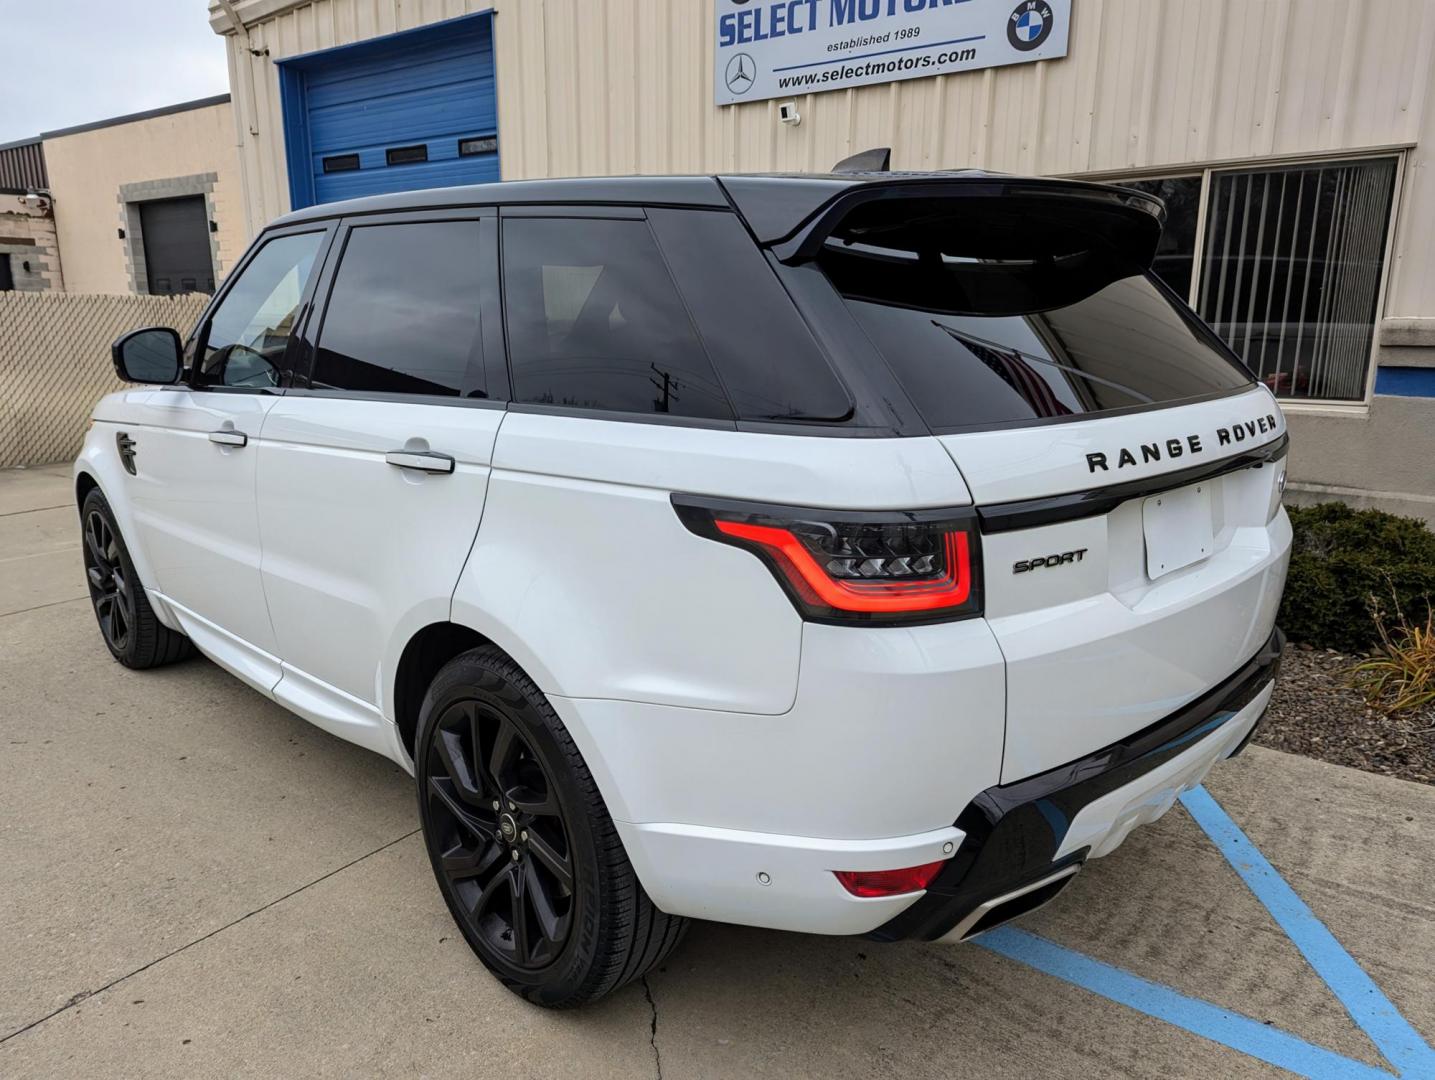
{"x":843,"y":566}
{"x":889,"y":882}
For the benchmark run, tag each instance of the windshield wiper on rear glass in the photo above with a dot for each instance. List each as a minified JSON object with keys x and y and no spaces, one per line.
{"x":985,"y":343}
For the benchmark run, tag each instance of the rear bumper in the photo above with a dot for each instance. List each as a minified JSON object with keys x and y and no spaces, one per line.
{"x":1023,"y":841}
{"x":1011,"y":844}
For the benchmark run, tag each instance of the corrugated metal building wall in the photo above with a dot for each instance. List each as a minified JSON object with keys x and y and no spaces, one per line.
{"x":590,"y":87}
{"x":593,"y":87}
{"x":22,"y":167}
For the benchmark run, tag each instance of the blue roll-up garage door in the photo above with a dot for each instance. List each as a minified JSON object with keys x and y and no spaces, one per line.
{"x":410,"y":110}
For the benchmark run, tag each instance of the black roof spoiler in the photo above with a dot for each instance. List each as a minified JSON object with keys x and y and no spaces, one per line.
{"x":795,"y":215}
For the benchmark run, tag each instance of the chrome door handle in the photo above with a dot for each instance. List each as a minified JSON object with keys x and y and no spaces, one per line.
{"x":422,"y":460}
{"x":229,"y":438}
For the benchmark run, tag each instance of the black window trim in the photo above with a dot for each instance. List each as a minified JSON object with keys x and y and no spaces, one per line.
{"x":199,"y":334}
{"x":481,"y":360}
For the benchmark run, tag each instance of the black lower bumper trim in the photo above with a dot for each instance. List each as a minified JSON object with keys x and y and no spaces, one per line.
{"x":1012,"y":831}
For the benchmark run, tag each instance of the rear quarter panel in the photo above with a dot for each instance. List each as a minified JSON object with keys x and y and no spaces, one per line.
{"x":583,"y":571}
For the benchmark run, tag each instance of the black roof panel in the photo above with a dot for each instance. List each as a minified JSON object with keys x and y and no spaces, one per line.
{"x":637,"y":190}
{"x":774,"y":205}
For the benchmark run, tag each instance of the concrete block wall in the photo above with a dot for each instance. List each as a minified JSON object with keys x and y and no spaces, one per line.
{"x":27,"y":235}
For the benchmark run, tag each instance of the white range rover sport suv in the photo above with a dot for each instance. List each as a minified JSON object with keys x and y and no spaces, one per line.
{"x":847,"y":554}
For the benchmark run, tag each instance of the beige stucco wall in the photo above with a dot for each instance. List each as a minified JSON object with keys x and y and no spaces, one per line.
{"x":88,"y":170}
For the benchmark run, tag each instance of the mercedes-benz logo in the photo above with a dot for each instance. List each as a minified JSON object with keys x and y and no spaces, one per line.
{"x":740,"y":73}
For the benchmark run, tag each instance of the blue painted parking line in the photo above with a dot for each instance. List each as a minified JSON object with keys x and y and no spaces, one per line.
{"x":1198,"y":1017}
{"x":1398,"y":1042}
{"x":1372,"y":1011}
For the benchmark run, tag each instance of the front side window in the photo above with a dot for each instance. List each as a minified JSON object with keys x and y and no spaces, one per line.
{"x":403,"y":315}
{"x":594,"y":321}
{"x":250,"y":328}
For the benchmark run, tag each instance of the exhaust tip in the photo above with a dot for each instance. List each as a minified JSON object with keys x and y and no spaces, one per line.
{"x":1002,"y":909}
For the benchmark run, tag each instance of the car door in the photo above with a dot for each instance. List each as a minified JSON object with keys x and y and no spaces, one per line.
{"x":372,"y":476}
{"x":196,"y":449}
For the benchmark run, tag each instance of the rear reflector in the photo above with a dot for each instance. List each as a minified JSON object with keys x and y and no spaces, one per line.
{"x":846,"y":566}
{"x":889,"y":882}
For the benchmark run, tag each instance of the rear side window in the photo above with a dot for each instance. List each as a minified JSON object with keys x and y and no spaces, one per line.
{"x":403,"y":312}
{"x":770,"y":365}
{"x":992,"y":312}
{"x":594,"y":321}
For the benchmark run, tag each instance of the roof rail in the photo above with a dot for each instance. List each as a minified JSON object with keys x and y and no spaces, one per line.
{"x":878,"y":159}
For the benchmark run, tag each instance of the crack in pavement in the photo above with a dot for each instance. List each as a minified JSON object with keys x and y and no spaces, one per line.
{"x":85,"y":994}
{"x":36,"y":510}
{"x":37,"y":607}
{"x":653,"y":1032}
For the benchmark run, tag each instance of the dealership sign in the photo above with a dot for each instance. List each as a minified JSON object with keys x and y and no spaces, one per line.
{"x":783,"y":48}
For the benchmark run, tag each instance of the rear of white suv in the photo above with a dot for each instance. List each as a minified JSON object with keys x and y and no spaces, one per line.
{"x":850,"y":555}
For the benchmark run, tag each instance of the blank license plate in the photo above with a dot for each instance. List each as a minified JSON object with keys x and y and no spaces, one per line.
{"x":1178,"y":529}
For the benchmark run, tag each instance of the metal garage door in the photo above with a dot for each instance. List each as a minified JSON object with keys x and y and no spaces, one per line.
{"x":410,"y":110}
{"x":175,"y":234}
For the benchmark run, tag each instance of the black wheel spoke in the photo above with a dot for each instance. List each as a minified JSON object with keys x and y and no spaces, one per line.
{"x":93,"y":543}
{"x":557,"y":865}
{"x":505,"y":745}
{"x":550,"y":924}
{"x":98,"y":578}
{"x":498,"y":884}
{"x":461,"y":864}
{"x":532,"y":802}
{"x":465,"y":817}
{"x":518,"y":889}
{"x":449,"y":744}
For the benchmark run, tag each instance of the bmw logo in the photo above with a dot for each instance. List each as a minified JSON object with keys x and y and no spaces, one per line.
{"x":1030,"y":25}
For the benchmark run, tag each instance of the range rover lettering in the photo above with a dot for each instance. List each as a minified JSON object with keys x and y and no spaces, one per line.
{"x":678,"y":535}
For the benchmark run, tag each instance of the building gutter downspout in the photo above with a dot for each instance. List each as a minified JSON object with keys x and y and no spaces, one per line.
{"x":250,"y":103}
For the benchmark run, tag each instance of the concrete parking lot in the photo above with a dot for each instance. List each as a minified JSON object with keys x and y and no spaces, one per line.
{"x":197,"y":883}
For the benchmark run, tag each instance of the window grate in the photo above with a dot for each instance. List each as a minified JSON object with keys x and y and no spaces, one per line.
{"x":1291,"y":271}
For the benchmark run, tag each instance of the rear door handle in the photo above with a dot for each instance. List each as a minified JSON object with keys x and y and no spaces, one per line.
{"x":422,"y":460}
{"x":229,"y":438}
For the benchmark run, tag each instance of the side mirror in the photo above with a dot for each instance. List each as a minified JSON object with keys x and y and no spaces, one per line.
{"x":152,"y":355}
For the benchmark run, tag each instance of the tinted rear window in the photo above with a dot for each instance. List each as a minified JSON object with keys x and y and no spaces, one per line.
{"x":1002,"y":313}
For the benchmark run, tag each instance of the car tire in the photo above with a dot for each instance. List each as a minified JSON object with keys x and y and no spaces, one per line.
{"x":130,"y":629}
{"x":521,"y":843}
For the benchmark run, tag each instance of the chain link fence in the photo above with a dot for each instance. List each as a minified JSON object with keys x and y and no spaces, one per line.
{"x":55,"y":364}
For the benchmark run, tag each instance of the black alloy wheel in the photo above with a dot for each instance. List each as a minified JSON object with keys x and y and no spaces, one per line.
{"x":525,"y":853}
{"x":499,"y":833}
{"x":110,"y":588}
{"x":132,"y":631}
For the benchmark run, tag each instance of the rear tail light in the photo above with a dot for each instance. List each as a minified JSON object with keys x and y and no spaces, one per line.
{"x":889,"y":882}
{"x":899,"y":566}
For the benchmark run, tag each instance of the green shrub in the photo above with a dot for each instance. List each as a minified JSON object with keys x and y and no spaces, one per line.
{"x":1345,"y":562}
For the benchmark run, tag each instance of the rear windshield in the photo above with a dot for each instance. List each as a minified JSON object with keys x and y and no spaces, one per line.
{"x":1003,"y":312}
